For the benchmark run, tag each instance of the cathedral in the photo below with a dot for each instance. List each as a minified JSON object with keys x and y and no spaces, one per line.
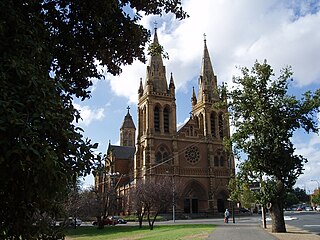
{"x":193,"y":155}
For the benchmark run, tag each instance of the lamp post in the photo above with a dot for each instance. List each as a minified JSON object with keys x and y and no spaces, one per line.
{"x":173,"y":197}
{"x":173,"y":201}
{"x":232,"y":209}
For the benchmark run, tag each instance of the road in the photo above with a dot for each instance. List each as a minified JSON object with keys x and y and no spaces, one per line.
{"x":309,"y":221}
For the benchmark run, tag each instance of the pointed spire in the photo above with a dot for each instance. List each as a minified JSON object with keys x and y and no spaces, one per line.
{"x":156,"y":72}
{"x":206,"y":67}
{"x":155,"y":37}
{"x":140,"y":91}
{"x":193,"y":98}
{"x":128,"y":122}
{"x":207,"y":79}
{"x":171,"y":85}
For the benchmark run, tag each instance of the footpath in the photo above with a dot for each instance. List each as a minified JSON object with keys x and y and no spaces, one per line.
{"x":251,"y":231}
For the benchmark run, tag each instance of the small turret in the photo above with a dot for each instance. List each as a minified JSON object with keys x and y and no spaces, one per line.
{"x":193,"y":98}
{"x":171,"y":85}
{"x":140,"y":91}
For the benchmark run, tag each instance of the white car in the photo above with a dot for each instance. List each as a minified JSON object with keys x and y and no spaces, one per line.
{"x":71,"y":222}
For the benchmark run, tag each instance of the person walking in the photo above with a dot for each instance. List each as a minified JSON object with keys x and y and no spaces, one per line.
{"x":226,"y":216}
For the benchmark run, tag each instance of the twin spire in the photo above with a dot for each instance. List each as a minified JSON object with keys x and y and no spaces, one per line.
{"x":156,"y":75}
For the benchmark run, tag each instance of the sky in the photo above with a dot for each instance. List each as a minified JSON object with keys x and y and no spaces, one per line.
{"x":238,"y":32}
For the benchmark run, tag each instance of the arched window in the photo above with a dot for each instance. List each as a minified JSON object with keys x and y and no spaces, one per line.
{"x":221,"y":125}
{"x":222,"y":161}
{"x":213,"y":124}
{"x":191,"y":130}
{"x":216,"y":161}
{"x":156,"y":119}
{"x":162,"y":155}
{"x":220,"y":158}
{"x":166,"y":119}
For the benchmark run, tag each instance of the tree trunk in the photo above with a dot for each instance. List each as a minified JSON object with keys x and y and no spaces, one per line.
{"x":277,"y":216}
{"x":100,"y":224}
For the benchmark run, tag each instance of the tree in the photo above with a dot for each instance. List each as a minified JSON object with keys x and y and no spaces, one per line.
{"x":152,"y":197}
{"x":301,"y":195}
{"x":316,"y":198}
{"x":265,"y":118}
{"x":49,"y":52}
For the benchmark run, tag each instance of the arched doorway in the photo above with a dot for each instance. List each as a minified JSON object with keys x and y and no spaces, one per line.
{"x":220,"y":205}
{"x":222,"y":197}
{"x":194,"y":198}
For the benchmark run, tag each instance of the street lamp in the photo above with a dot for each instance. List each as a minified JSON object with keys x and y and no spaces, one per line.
{"x":173,"y":198}
{"x":232,"y":209}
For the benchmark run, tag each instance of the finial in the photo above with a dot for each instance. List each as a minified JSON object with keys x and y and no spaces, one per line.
{"x":204,"y":37}
{"x":128,"y":108}
{"x":155,"y":25}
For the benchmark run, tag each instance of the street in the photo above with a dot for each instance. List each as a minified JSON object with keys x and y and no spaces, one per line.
{"x":309,"y":221}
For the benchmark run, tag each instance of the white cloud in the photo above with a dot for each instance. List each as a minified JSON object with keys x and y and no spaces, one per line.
{"x":238,"y":33}
{"x":309,"y":149}
{"x":88,"y":115}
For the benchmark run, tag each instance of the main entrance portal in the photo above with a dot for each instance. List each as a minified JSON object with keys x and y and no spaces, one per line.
{"x":191,"y":205}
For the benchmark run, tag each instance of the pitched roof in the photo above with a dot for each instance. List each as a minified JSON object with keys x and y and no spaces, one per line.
{"x":122,"y":152}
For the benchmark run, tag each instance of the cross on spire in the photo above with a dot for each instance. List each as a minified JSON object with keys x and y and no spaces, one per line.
{"x":204,"y":37}
{"x":128,"y":108}
{"x":155,"y":24}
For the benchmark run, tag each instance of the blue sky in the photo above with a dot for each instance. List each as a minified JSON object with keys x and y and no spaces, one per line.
{"x":237,"y":32}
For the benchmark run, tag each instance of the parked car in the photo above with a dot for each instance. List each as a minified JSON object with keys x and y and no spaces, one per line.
{"x":308,"y":208}
{"x":244,"y":210}
{"x":107,"y":221}
{"x":71,"y":222}
{"x":119,"y":220}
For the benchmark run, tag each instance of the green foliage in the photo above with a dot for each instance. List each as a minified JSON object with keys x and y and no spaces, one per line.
{"x":301,"y":195}
{"x":316,"y":198}
{"x":265,"y":117}
{"x":49,"y":52}
{"x":290,"y":200}
{"x":155,"y":49}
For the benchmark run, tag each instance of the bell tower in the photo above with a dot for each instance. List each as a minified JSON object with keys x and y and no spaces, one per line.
{"x":210,"y":119}
{"x":127,"y":131}
{"x":156,"y":111}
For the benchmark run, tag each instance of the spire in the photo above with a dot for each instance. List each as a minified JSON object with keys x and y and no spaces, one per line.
{"x":140,"y":91}
{"x":207,"y":79}
{"x":156,"y":72}
{"x":128,"y":122}
{"x":206,"y":67}
{"x":194,"y":98}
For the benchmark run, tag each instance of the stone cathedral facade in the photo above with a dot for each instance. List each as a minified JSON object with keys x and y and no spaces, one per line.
{"x":193,"y":154}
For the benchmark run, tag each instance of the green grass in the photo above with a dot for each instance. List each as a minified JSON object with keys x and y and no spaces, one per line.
{"x":164,"y":232}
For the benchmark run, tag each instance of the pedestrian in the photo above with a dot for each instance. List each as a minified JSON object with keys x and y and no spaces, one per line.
{"x":226,"y":216}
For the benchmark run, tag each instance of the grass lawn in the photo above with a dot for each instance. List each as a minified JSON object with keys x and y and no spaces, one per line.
{"x":164,"y":232}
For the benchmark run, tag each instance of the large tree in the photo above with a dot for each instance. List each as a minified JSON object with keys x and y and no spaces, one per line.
{"x":49,"y":52}
{"x":153,"y":196}
{"x":265,"y":118}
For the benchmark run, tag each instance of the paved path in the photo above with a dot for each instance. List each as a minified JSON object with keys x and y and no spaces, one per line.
{"x":240,"y":231}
